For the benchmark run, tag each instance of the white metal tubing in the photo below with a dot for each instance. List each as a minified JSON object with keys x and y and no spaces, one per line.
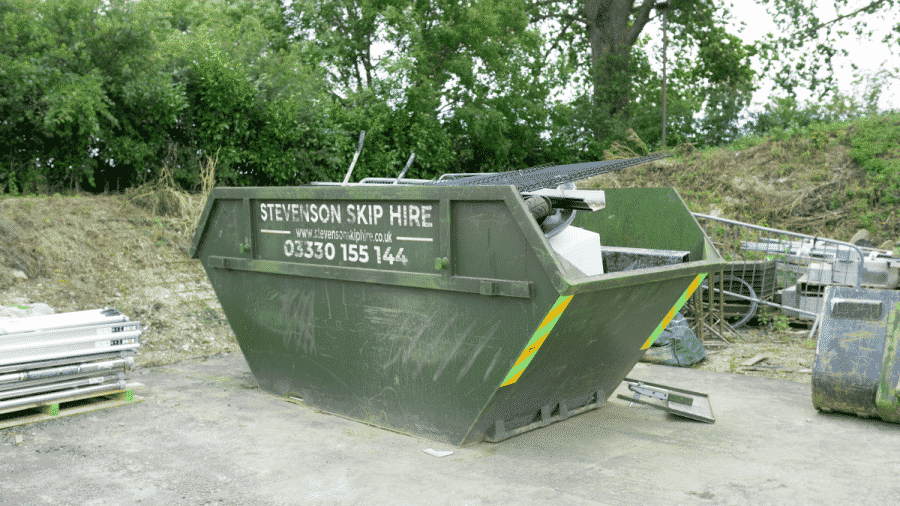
{"x":55,"y":379}
{"x":388,"y":181}
{"x":66,"y":370}
{"x":68,"y":353}
{"x":50,"y":387}
{"x":106,"y":329}
{"x":59,"y":320}
{"x":45,"y":398}
{"x":66,"y":361}
{"x":10,"y":348}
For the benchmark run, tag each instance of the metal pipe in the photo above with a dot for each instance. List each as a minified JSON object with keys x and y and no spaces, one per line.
{"x":362,"y":136}
{"x":368,"y":181}
{"x":45,"y":398}
{"x":66,"y":361}
{"x":721,"y":300}
{"x":33,"y":344}
{"x":403,"y":172}
{"x":794,"y":234}
{"x":66,"y":354}
{"x":61,"y":320}
{"x":98,"y":332}
{"x":55,"y":379}
{"x":66,"y":370}
{"x":50,"y":387}
{"x":788,"y":308}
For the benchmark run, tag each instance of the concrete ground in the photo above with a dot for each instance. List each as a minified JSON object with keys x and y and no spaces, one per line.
{"x":206,"y":435}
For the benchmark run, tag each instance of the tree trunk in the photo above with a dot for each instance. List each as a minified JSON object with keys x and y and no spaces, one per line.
{"x":611,"y":39}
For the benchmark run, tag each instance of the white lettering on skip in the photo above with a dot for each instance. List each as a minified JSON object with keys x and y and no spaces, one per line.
{"x":309,"y":213}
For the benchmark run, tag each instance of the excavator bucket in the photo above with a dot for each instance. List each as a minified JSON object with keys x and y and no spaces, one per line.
{"x":857,"y":368}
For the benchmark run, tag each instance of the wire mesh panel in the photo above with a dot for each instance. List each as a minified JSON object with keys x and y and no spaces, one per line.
{"x":776,"y":268}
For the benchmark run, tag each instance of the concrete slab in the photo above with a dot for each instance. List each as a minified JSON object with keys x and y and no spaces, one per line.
{"x":206,"y":435}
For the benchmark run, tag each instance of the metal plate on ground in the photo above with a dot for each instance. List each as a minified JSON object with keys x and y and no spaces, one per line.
{"x":685,"y":403}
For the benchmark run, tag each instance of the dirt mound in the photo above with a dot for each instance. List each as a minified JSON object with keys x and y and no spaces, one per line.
{"x":88,"y":252}
{"x":789,"y":185}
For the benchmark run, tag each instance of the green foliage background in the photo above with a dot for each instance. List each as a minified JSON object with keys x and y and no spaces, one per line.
{"x":100,"y":95}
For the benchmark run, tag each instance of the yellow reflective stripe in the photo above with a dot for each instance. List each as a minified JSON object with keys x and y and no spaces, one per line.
{"x":556,"y":310}
{"x":532,"y":347}
{"x":678,"y":305}
{"x":537,"y":339}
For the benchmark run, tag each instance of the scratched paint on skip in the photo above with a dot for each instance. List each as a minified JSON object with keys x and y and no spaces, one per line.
{"x":299,"y":320}
{"x":484,"y":340}
{"x":412,"y":344}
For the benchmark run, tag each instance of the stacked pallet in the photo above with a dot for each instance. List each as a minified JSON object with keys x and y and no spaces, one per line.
{"x":51,"y":358}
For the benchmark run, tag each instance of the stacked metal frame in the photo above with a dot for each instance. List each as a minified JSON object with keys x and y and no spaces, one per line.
{"x":790,"y":271}
{"x":46,"y":359}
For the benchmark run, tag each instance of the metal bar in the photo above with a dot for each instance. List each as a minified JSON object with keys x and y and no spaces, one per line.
{"x":54,"y":380}
{"x":744,"y":297}
{"x":710,"y":296}
{"x":60,"y":320}
{"x":403,"y":172}
{"x":39,"y":399}
{"x":66,"y":370}
{"x":388,"y":181}
{"x":66,"y":361}
{"x":718,"y":334}
{"x":105,"y":329}
{"x":362,"y":136}
{"x":60,"y":385}
{"x":56,"y":339}
{"x":721,"y":301}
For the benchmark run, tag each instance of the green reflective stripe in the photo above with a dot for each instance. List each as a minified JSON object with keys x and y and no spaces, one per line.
{"x":537,"y":339}
{"x":677,"y":307}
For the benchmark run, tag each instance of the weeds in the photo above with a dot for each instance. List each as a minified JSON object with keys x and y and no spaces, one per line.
{"x":745,"y":142}
{"x":207,"y":183}
{"x":162,"y":197}
{"x":780,"y":323}
{"x":818,"y":140}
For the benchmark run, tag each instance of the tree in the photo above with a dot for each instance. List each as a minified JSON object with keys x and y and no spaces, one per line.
{"x":97,"y":93}
{"x":76,"y":75}
{"x":604,"y":40}
{"x":462,"y":85}
{"x":802,"y":54}
{"x":253,"y":96}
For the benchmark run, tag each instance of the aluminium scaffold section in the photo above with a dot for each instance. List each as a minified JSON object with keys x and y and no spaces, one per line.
{"x":60,"y":356}
{"x":788,"y":270}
